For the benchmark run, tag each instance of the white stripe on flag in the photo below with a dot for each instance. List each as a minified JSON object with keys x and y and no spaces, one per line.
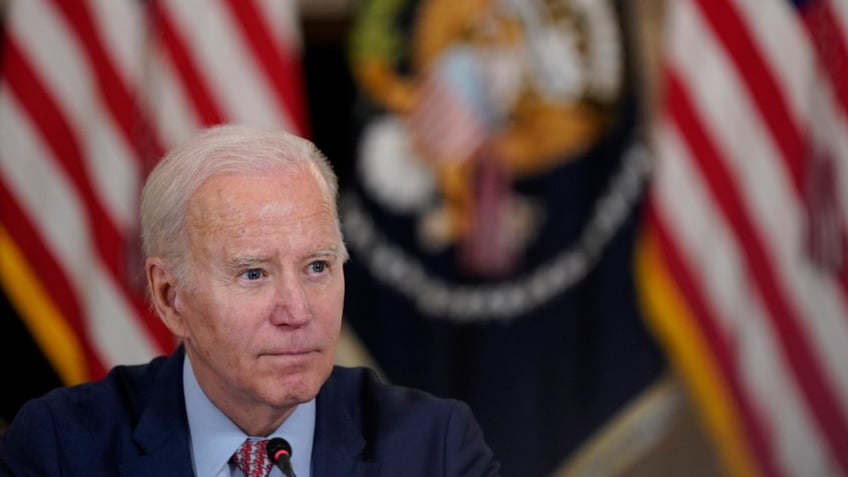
{"x":768,"y":192}
{"x":60,"y":218}
{"x":744,"y":236}
{"x":227,"y":62}
{"x":707,"y":244}
{"x":105,"y":108}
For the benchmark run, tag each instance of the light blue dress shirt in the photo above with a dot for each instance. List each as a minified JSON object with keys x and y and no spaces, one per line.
{"x":214,"y":437}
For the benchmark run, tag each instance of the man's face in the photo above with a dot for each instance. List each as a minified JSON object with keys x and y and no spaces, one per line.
{"x":262,"y":316}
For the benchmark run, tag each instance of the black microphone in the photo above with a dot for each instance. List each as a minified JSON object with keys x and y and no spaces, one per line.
{"x":280,"y":451}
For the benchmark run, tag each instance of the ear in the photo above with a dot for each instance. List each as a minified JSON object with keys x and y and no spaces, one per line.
{"x":164,"y":295}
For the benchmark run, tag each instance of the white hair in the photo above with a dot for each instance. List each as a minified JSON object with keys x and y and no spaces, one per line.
{"x":221,"y":149}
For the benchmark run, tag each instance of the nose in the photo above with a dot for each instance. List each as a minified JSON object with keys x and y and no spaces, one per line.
{"x":292,"y":306}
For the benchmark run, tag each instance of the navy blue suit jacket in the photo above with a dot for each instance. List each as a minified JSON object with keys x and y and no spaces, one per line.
{"x":133,"y":423}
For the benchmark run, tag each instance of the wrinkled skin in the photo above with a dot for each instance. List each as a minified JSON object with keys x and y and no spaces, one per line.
{"x":262,"y":315}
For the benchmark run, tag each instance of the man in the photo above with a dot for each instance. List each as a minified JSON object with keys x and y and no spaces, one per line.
{"x":244,"y":264}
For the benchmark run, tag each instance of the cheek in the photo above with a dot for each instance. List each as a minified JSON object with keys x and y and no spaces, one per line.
{"x":220,"y":319}
{"x":222,"y":334}
{"x":328,"y":308}
{"x":236,"y":317}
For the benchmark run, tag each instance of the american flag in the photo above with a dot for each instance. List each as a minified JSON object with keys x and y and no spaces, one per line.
{"x":92,"y":92}
{"x":743,"y":260}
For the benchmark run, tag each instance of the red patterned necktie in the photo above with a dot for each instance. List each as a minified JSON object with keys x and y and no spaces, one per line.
{"x":251,"y":458}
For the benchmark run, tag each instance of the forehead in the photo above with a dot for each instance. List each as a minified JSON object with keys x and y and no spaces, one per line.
{"x":243,"y":196}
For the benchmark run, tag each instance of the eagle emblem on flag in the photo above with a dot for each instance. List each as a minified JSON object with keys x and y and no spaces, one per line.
{"x":476,"y":95}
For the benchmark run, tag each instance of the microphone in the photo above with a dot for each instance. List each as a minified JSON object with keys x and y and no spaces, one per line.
{"x":279,"y":451}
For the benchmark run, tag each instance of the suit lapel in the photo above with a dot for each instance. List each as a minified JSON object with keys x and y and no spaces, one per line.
{"x":162,"y":439}
{"x":171,"y":458}
{"x":161,"y":435}
{"x":339,"y":447}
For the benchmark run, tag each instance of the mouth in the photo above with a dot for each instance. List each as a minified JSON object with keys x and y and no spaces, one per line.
{"x":290,"y":352}
{"x":290,"y":356}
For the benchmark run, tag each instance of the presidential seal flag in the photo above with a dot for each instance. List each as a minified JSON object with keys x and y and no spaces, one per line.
{"x":91,"y":93}
{"x":742,"y":265}
{"x":492,"y":211}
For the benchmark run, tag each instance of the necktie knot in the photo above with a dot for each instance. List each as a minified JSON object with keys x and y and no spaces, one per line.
{"x":251,"y":459}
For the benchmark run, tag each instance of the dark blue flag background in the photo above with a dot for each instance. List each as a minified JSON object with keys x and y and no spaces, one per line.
{"x":491,"y":215}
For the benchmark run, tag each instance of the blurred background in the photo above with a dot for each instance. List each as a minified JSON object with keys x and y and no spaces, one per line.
{"x":616,"y":229}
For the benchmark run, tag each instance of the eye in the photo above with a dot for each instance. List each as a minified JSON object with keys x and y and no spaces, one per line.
{"x":252,"y":274}
{"x":317,"y":267}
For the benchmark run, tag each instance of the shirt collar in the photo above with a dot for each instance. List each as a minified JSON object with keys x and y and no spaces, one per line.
{"x":214,"y":437}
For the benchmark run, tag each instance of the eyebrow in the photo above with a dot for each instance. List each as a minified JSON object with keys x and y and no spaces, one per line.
{"x":249,"y":261}
{"x":323,"y":252}
{"x":246,"y":261}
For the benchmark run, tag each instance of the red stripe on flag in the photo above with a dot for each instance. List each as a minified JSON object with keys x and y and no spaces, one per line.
{"x":803,"y":309}
{"x":818,"y":391}
{"x":123,"y":95}
{"x":53,"y":277}
{"x":206,"y":107}
{"x":138,"y":134}
{"x":116,"y":95}
{"x":831,"y":45}
{"x":281,"y":66}
{"x":756,"y":430}
{"x":768,"y":97}
{"x":57,"y":134}
{"x":762,"y":87}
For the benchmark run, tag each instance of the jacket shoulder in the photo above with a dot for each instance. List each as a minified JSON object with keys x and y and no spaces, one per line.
{"x":398,"y":425}
{"x":125,"y":387}
{"x":84,"y":423}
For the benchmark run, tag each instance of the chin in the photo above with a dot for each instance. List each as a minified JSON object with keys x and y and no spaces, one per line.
{"x":297,"y":383}
{"x":297,"y":389}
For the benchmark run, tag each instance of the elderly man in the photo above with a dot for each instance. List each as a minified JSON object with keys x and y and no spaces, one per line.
{"x":244,"y":263}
